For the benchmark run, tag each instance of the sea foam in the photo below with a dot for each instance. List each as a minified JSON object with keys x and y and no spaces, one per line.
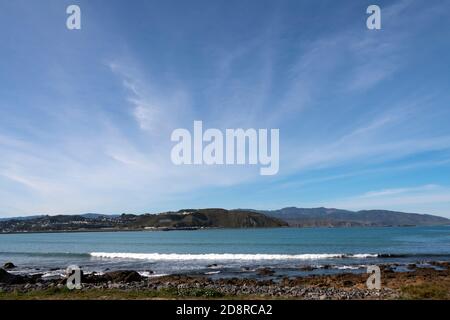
{"x":225,"y":256}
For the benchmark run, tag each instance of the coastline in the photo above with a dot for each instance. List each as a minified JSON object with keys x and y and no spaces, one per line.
{"x":115,"y":230}
{"x":218,"y":218}
{"x":416,"y":283}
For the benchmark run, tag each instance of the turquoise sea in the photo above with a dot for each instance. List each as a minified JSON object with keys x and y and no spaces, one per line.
{"x":226,"y":252}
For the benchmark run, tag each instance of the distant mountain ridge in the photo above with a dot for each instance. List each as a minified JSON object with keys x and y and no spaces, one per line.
{"x":220,"y":218}
{"x":330,"y":217}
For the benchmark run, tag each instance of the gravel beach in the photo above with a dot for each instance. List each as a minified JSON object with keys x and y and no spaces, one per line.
{"x":415,"y":283}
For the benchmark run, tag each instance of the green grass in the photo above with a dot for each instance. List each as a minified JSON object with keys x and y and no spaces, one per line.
{"x":113,"y":294}
{"x":410,"y":292}
{"x":436,"y":291}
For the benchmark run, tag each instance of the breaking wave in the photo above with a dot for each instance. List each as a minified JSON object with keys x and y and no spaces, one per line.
{"x":227,"y":256}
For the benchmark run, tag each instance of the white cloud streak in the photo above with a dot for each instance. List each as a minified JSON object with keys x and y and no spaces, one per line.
{"x":429,"y":199}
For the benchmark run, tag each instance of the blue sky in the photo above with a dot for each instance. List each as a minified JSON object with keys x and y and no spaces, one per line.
{"x":86,"y":115}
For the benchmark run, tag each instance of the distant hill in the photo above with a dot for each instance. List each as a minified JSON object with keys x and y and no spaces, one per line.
{"x":85,"y":215}
{"x":326,"y":217}
{"x":220,"y":218}
{"x":98,"y":215}
{"x":208,"y":218}
{"x":183,"y":219}
{"x":45,"y":223}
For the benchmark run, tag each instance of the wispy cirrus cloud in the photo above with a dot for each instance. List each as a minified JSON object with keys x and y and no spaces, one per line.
{"x":427,"y":199}
{"x":155,"y":107}
{"x":78,"y":134}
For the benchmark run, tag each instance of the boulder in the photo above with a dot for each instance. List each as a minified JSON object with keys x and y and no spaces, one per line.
{"x":8,"y":278}
{"x":35,"y":278}
{"x":387,"y":269}
{"x":266,"y":271}
{"x":126,"y":276}
{"x":9,"y":265}
{"x":307,"y":268}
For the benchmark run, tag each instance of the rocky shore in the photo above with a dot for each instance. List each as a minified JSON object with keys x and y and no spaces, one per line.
{"x":415,"y":283}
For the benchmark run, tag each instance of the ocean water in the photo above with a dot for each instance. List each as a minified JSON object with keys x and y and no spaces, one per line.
{"x":226,"y":252}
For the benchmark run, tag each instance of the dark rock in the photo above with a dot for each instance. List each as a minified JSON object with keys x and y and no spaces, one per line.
{"x":387,"y":269}
{"x":441,"y":264}
{"x":35,"y":278}
{"x":9,"y":265}
{"x":266,"y":272}
{"x":8,"y":278}
{"x":126,"y":276}
{"x":348,"y":283}
{"x":306,"y":268}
